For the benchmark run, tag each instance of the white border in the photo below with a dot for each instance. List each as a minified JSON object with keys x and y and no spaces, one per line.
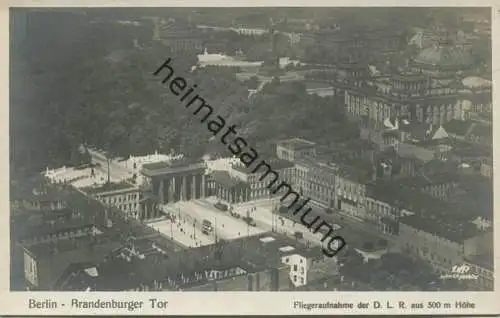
{"x":235,"y":303}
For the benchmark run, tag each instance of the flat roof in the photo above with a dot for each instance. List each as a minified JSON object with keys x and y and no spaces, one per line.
{"x":79,"y":244}
{"x":276,"y":164}
{"x":109,"y":187}
{"x":395,"y":192}
{"x":458,"y":127}
{"x":449,"y":228}
{"x":55,"y":227}
{"x":356,"y":173}
{"x":484,"y":260}
{"x":40,"y":192}
{"x":224,"y":178}
{"x":297,"y":143}
{"x":434,"y":179}
{"x":167,"y":167}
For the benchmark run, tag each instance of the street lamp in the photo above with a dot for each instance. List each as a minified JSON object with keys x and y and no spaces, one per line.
{"x":215,"y":231}
{"x":108,"y":161}
{"x":194,"y":229}
{"x":248,"y":222}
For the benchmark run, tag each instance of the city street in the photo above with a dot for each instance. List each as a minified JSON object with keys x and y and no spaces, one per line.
{"x":353,"y":231}
{"x":354,"y":227}
{"x":263,"y":217}
{"x":183,"y":233}
{"x":227,"y":227}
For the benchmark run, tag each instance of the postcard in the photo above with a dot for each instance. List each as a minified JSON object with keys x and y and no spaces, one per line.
{"x":217,"y":159}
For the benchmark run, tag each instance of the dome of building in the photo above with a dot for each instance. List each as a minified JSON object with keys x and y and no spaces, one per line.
{"x":476,"y":82}
{"x":445,"y":56}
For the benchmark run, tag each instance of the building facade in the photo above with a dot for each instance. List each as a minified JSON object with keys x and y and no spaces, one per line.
{"x":350,"y":190}
{"x":177,"y":37}
{"x":315,"y":180}
{"x":295,"y":148}
{"x":433,"y":87}
{"x":257,"y":182}
{"x":124,"y":196}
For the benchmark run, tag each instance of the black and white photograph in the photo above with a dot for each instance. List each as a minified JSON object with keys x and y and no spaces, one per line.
{"x":251,"y":149}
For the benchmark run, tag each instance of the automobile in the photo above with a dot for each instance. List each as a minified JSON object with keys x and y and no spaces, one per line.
{"x":283,"y":210}
{"x":298,"y":235}
{"x":220,"y":206}
{"x":234,"y":214}
{"x":206,"y":227}
{"x":250,"y":221}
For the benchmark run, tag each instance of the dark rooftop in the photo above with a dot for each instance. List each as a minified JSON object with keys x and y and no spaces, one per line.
{"x":53,"y":227}
{"x":108,"y":187}
{"x":297,"y":143}
{"x":276,"y":164}
{"x":172,"y":164}
{"x":39,"y":193}
{"x":59,"y":247}
{"x":158,"y":168}
{"x":55,"y":257}
{"x":484,"y":260}
{"x":425,"y":180}
{"x":448,"y":228}
{"x":225,"y":179}
{"x":359,"y":172}
{"x":482,"y":130}
{"x":458,"y":127}
{"x":474,"y":195}
{"x":407,"y":198}
{"x":468,"y":149}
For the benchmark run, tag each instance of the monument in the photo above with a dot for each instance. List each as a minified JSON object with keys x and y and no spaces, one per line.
{"x":178,"y":180}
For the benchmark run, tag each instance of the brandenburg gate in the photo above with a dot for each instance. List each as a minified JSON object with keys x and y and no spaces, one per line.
{"x":169,"y":182}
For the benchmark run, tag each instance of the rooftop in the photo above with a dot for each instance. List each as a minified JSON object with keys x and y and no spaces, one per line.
{"x":48,"y":250}
{"x":53,"y":227}
{"x":424,"y":180}
{"x":224,"y":178}
{"x":195,"y":266}
{"x":297,"y":143}
{"x":181,"y":164}
{"x":360,"y":173}
{"x":482,"y":130}
{"x":448,"y":228}
{"x":55,"y":257}
{"x":276,"y":164}
{"x":409,"y":151}
{"x":474,"y":195}
{"x":108,"y":187}
{"x":484,"y":260}
{"x":445,"y":56}
{"x":397,"y":193}
{"x":319,"y":163}
{"x":39,"y":192}
{"x":354,"y":145}
{"x":458,"y":127}
{"x":470,"y":150}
